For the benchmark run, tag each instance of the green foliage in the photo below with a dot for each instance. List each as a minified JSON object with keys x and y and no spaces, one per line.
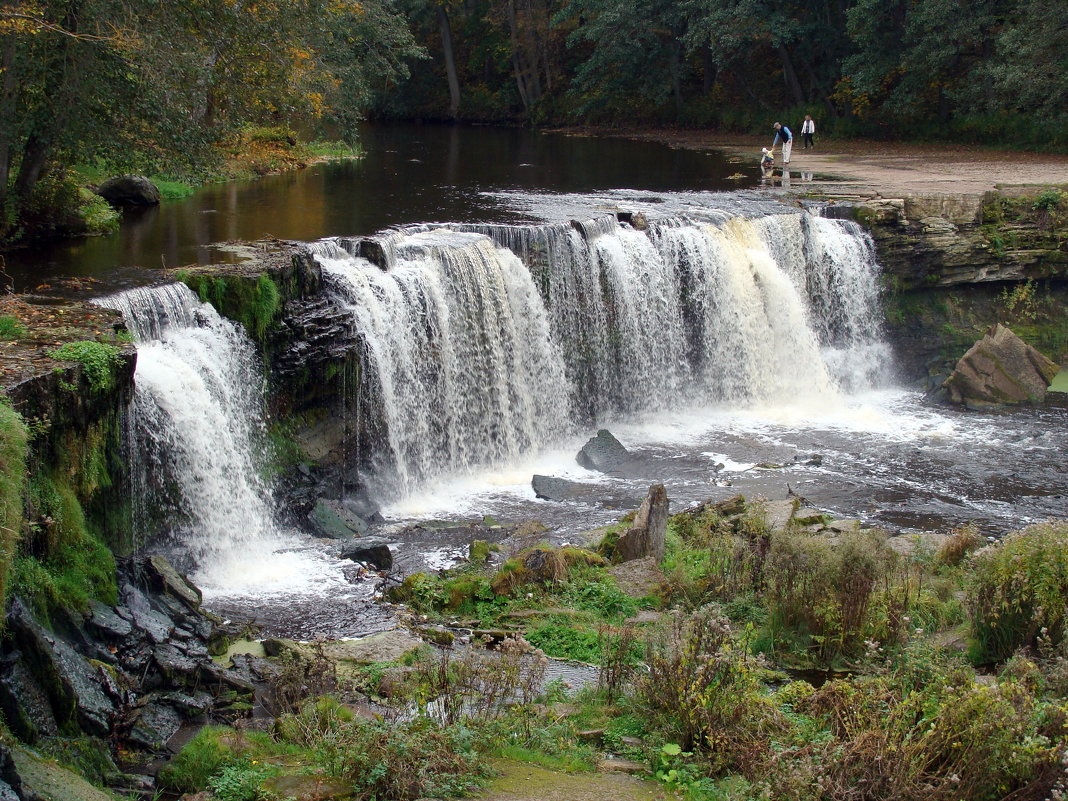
{"x":99,"y":362}
{"x":826,"y":594}
{"x":11,"y":328}
{"x":14,"y":442}
{"x":97,"y":213}
{"x":240,"y":783}
{"x":66,"y":565}
{"x":566,"y":642}
{"x":1017,"y":589}
{"x":200,"y":759}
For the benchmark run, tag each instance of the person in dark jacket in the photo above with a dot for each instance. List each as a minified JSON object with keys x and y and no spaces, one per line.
{"x":782,"y":134}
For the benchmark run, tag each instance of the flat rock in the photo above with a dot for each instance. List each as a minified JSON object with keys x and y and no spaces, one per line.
{"x":309,"y":788}
{"x":778,"y":514}
{"x":551,"y":488}
{"x":603,"y":452}
{"x":616,"y":765}
{"x":389,"y":646}
{"x":49,"y":780}
{"x":639,"y":578}
{"x":521,"y":781}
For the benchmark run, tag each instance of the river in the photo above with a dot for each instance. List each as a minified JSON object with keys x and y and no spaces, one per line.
{"x":725,"y":332}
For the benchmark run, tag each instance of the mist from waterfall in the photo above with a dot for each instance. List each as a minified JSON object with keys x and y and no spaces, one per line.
{"x":484,"y":344}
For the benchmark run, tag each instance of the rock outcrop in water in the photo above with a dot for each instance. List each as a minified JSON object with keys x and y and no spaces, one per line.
{"x":603,"y":452}
{"x":1000,"y":369}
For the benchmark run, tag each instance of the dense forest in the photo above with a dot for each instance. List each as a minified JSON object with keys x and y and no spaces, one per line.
{"x":157,"y":86}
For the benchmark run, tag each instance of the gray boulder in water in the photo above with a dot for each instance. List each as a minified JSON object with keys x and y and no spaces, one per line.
{"x":129,"y":190}
{"x":551,"y":488}
{"x":603,"y":452}
{"x":645,"y":537}
{"x":1000,"y":369}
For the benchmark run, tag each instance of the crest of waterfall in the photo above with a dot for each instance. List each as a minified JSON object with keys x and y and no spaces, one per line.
{"x":197,"y":430}
{"x":485,"y":342}
{"x":459,"y":356}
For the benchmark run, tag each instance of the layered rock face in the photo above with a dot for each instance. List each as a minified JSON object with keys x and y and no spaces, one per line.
{"x":1000,"y":369}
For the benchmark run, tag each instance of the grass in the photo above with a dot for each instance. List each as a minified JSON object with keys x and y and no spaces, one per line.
{"x":11,"y":328}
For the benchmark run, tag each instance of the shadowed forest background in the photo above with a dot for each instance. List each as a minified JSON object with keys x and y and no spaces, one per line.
{"x":169,"y":88}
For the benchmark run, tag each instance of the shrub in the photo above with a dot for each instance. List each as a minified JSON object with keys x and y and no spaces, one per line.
{"x":961,"y":542}
{"x":1018,"y":589}
{"x":824,"y":592}
{"x":201,"y":758}
{"x":704,"y":690}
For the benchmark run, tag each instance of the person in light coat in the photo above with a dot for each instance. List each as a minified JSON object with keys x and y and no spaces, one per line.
{"x":808,"y":127}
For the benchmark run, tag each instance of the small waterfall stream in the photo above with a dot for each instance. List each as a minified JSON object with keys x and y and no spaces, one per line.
{"x":483,"y":344}
{"x":198,"y":445}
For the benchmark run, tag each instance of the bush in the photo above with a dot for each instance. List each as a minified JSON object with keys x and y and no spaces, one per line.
{"x":961,"y":542}
{"x":704,"y":689}
{"x":824,"y":593}
{"x":98,"y":360}
{"x":201,"y":758}
{"x":1018,"y":590}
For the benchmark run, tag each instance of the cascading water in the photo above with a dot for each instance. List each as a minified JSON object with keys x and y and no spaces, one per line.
{"x":198,"y":444}
{"x":483,"y":344}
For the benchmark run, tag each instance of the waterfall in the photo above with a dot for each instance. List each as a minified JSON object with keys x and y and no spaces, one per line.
{"x":198,"y":434}
{"x":460,"y":359}
{"x":483,"y":343}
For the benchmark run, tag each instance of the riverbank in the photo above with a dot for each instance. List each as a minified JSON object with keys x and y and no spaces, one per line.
{"x":860,"y":169}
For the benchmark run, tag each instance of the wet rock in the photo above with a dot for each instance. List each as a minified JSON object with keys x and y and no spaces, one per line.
{"x":129,"y":190}
{"x":640,"y":578}
{"x":154,"y":725}
{"x":645,"y":537}
{"x":550,"y":488}
{"x":370,"y":552}
{"x":72,"y":684}
{"x":44,"y":779}
{"x":1000,"y":369}
{"x":106,"y":623}
{"x":333,"y":520}
{"x":23,"y":701}
{"x":173,"y":583}
{"x":603,"y":452}
{"x":144,"y":616}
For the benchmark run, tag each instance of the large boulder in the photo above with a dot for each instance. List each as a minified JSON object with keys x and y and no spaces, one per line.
{"x":645,"y":537}
{"x":551,"y":488}
{"x":374,"y":552}
{"x":603,"y":452}
{"x":129,"y":190}
{"x":1000,"y":369}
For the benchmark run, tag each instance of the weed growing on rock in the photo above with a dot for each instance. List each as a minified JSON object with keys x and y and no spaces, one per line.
{"x":98,"y":360}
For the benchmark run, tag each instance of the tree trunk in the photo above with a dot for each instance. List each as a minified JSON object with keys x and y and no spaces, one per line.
{"x":708,"y":70}
{"x":7,"y":117}
{"x":676,"y":75}
{"x":34,"y":155}
{"x":450,"y":62}
{"x":791,"y":76}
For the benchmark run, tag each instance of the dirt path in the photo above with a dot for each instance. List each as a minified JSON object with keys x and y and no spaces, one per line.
{"x":523,"y":782}
{"x":889,"y":169}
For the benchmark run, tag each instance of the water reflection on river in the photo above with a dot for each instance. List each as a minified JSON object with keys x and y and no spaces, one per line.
{"x":409,"y":173}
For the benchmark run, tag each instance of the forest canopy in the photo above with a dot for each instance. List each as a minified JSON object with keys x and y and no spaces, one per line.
{"x":150,"y":85}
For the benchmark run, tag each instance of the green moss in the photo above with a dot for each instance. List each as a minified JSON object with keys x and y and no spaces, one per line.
{"x":64,"y":564}
{"x":98,"y":360}
{"x":255,"y":302}
{"x":14,"y":439}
